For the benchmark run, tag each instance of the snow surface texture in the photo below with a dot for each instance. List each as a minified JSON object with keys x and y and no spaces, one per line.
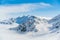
{"x":29,"y":28}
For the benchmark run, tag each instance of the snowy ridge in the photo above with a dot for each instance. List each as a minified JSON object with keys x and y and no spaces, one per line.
{"x":55,"y":19}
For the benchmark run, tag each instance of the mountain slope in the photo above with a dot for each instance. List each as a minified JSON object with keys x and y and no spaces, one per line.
{"x":55,"y":22}
{"x":55,"y":19}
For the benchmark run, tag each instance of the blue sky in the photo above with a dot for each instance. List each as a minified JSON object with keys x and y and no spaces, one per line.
{"x":48,"y":8}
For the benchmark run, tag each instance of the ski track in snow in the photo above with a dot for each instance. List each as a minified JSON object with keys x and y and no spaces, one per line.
{"x":6,"y":34}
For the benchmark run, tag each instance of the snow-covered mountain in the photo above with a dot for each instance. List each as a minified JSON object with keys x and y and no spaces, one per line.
{"x":31,"y":24}
{"x":36,"y":24}
{"x":55,"y":22}
{"x":7,"y":21}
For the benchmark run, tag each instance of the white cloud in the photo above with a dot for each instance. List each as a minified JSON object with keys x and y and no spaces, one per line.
{"x":4,"y":10}
{"x":45,"y":4}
